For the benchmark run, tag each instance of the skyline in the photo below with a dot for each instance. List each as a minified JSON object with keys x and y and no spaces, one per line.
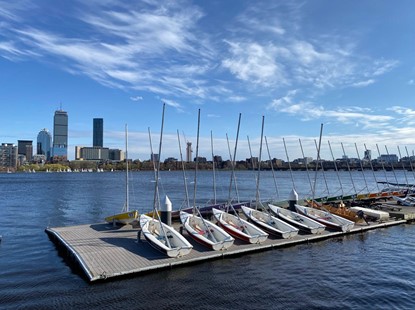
{"x":348,"y":66}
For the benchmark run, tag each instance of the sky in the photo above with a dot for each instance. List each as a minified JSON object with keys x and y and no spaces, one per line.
{"x":346,"y":65}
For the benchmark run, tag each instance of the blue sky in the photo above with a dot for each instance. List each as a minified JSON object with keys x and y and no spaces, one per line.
{"x":346,"y":64}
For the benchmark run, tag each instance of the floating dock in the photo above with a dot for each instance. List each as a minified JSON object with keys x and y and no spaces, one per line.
{"x":103,"y":251}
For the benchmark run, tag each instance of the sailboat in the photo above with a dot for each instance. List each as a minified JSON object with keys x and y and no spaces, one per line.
{"x":302,"y":222}
{"x":199,"y":229}
{"x":159,"y":235}
{"x":232,"y":222}
{"x":263,"y":219}
{"x":326,"y":218}
{"x":126,"y":216}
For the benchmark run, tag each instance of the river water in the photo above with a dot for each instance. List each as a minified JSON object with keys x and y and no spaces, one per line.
{"x":372,"y":270}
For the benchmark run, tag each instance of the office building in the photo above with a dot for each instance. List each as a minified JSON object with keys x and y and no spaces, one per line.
{"x":60,"y":135}
{"x":98,"y":132}
{"x":44,"y":142}
{"x":91,"y":153}
{"x":8,"y":155}
{"x":116,"y":155}
{"x":25,"y":148}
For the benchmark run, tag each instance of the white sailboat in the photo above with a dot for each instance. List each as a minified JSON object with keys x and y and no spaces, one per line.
{"x":159,"y":235}
{"x":302,"y":222}
{"x":263,"y":219}
{"x":126,"y":216}
{"x":199,"y":229}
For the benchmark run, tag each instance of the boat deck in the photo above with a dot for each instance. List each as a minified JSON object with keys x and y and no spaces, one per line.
{"x":103,"y":251}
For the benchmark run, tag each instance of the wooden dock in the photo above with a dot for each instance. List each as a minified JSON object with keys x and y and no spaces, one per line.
{"x":103,"y":251}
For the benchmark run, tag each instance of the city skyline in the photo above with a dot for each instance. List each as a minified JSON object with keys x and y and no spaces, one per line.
{"x":298,"y":63}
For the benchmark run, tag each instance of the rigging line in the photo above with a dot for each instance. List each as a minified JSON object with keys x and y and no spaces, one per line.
{"x":348,"y":168}
{"x":272,"y":169}
{"x":322,"y":171}
{"x":306,"y":167}
{"x":233,"y":162}
{"x":213,"y":168}
{"x":259,"y":164}
{"x":403,"y":167}
{"x":336,"y":168}
{"x":184,"y":172}
{"x":373,"y":170}
{"x":154,"y":169}
{"x":361,"y":167}
{"x":289,"y":164}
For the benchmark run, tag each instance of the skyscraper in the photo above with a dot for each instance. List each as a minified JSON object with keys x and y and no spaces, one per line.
{"x":98,"y":134}
{"x":60,"y":135}
{"x":25,"y":147}
{"x":44,"y":142}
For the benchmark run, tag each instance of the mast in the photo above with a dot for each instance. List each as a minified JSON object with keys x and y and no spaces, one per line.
{"x":410,"y":161}
{"x":259,"y":164}
{"x":184,"y":172}
{"x":335,"y":167}
{"x":127,"y":195}
{"x":318,"y":159}
{"x":213,"y":168}
{"x":197,"y":162}
{"x":383,"y":165}
{"x":361,"y":166}
{"x":322,"y":171}
{"x":403,"y":167}
{"x":373,"y":170}
{"x":233,"y":158}
{"x":348,"y":168}
{"x":272,"y":169}
{"x":289,"y":164}
{"x":393,"y":169}
{"x":306,"y":167}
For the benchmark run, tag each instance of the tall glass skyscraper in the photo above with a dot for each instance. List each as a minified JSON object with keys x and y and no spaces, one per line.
{"x":44,"y":143}
{"x":60,"y":135}
{"x":98,"y":134}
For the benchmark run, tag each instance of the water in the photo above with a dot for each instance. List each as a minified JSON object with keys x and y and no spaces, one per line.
{"x":371,"y":270}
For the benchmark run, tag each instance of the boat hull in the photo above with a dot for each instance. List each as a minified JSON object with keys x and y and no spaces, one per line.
{"x":270,"y":224}
{"x":205,"y":232}
{"x":332,"y":221}
{"x":123,"y":218}
{"x":239,"y":228}
{"x":164,"y":238}
{"x":300,"y":221}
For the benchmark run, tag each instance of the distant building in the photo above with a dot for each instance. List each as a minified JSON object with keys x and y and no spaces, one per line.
{"x":154,"y":157}
{"x":25,"y":147}
{"x":367,"y":155}
{"x":170,"y":160}
{"x":116,"y":155}
{"x":60,"y":135}
{"x":392,"y":158}
{"x":91,"y":153}
{"x":98,"y":132}
{"x":8,"y":155}
{"x":44,"y":143}
{"x":189,"y":152}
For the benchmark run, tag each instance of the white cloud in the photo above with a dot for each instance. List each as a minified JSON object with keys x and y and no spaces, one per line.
{"x":136,"y":98}
{"x":363,"y":83}
{"x":347,"y":115}
{"x":252,"y":62}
